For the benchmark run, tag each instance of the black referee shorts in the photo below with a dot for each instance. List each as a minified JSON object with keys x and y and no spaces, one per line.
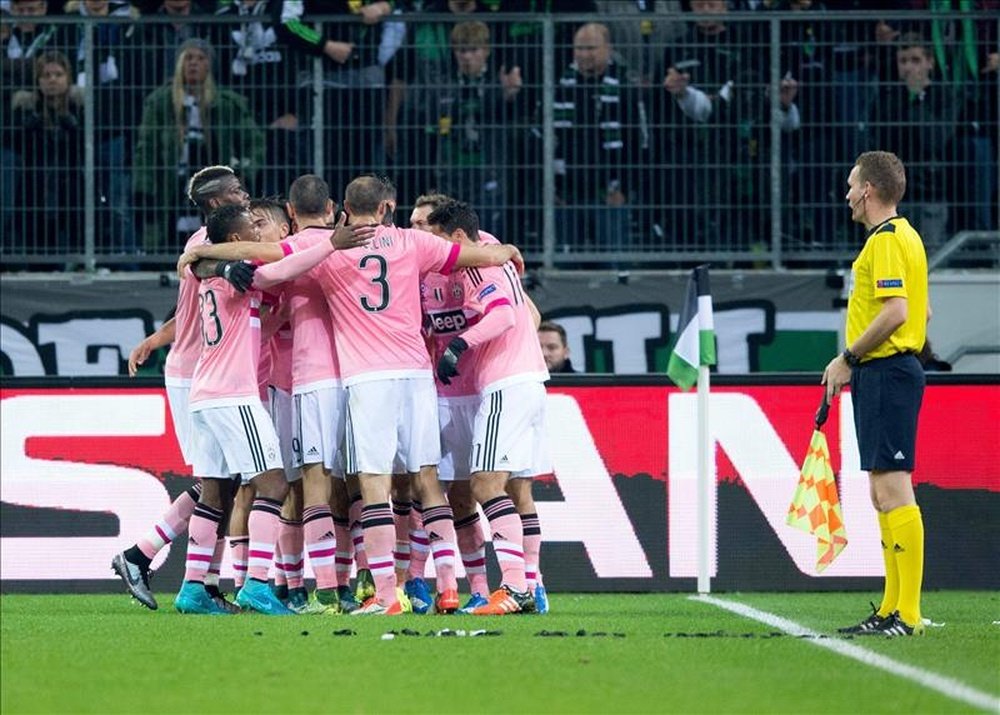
{"x":887,"y":393}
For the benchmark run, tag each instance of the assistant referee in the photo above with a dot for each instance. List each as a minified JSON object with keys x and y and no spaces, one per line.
{"x":887,"y":315}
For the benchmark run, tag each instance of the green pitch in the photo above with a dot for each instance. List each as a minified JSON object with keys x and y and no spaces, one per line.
{"x":658,"y":653}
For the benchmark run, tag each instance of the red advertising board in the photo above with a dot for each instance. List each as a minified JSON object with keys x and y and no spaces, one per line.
{"x":86,"y":470}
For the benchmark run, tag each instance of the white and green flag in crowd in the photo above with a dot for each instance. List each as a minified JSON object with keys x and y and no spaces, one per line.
{"x":695,"y":343}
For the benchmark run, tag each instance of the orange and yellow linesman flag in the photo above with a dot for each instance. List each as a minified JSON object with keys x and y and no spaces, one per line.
{"x":815,"y":508}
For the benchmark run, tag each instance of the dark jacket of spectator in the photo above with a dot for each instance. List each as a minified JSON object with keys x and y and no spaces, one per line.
{"x":48,"y":191}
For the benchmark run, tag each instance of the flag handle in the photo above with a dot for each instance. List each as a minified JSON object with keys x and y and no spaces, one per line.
{"x":822,"y":412}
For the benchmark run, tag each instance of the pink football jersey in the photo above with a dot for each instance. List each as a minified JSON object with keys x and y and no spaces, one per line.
{"x":442,"y":299}
{"x":314,"y":357}
{"x":374,"y":296}
{"x":227,"y":371}
{"x":186,"y":348}
{"x":515,"y":355}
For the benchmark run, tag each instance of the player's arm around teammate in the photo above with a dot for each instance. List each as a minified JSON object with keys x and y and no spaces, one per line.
{"x":341,"y":238}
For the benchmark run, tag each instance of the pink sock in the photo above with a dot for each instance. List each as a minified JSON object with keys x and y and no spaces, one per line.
{"x":215,"y":568}
{"x":321,"y":544}
{"x":439,"y":522}
{"x":420,"y":546}
{"x":532,"y":548}
{"x":401,"y":523}
{"x":290,"y":546}
{"x":473,"y":549}
{"x":238,"y":547}
{"x":358,"y":532}
{"x":280,"y":578}
{"x":508,"y":541}
{"x":202,"y":531}
{"x":173,"y":522}
{"x":345,"y":551}
{"x":263,"y":524}
{"x":380,"y":535}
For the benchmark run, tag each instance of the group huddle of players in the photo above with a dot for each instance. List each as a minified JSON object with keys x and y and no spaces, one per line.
{"x":349,"y":392}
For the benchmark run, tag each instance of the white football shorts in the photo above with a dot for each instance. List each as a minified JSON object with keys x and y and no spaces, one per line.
{"x":231,"y":440}
{"x":509,"y":433}
{"x":392,"y":424}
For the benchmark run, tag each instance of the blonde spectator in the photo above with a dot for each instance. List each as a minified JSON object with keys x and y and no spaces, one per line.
{"x":187,"y":124}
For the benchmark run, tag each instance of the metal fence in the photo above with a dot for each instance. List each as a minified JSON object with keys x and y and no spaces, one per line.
{"x":640,"y":138}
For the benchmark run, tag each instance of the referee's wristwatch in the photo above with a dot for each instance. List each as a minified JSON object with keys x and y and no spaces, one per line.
{"x":850,"y":358}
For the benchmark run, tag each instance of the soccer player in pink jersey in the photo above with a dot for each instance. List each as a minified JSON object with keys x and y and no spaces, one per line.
{"x":509,"y":372}
{"x":374,"y":295}
{"x":232,"y":433}
{"x":208,"y":189}
{"x":318,"y":395}
{"x":274,"y":225}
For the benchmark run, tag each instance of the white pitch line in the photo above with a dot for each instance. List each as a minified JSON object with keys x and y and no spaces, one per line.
{"x":949,"y":687}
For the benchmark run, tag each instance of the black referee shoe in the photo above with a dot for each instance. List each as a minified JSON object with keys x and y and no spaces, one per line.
{"x":895,"y":626}
{"x":869,"y":625}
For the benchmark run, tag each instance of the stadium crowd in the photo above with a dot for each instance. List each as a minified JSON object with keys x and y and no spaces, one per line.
{"x":663,"y":125}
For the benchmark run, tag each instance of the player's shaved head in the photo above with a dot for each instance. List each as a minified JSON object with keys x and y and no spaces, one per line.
{"x":225,"y":221}
{"x":453,"y":215}
{"x":207,"y":184}
{"x":309,"y":195}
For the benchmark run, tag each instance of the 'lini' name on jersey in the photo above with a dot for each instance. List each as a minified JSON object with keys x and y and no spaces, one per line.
{"x":380,"y":242}
{"x":449,"y":321}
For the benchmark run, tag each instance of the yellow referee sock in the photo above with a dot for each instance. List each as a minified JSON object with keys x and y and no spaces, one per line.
{"x":891,"y":594}
{"x":907,"y":528}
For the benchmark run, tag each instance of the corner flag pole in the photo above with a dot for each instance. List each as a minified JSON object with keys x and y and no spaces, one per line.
{"x":692,"y":354}
{"x":706,"y":482}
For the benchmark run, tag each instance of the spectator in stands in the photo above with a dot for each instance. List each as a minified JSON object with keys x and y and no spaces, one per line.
{"x":638,"y":32}
{"x":469,"y":113}
{"x":970,"y":63}
{"x":25,"y":41}
{"x":601,"y":136}
{"x":422,"y":64}
{"x":915,"y":118}
{"x":713,"y":122}
{"x":162,"y":39}
{"x":353,"y":78}
{"x":555,"y":350}
{"x":520,"y":44}
{"x":47,"y":127}
{"x":117,"y":110}
{"x":812,"y":157}
{"x":187,"y":124}
{"x":253,"y":62}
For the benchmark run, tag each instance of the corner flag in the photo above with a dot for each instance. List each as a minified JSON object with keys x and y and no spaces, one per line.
{"x":695,"y":343}
{"x":815,"y":507}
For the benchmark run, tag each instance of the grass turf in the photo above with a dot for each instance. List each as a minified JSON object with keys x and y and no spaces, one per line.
{"x":100,"y":654}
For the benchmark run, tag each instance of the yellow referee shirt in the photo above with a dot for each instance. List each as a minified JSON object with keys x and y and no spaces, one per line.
{"x":892,"y":263}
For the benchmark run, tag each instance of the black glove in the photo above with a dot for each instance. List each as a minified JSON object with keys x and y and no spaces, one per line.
{"x":447,"y":366}
{"x":239,"y":273}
